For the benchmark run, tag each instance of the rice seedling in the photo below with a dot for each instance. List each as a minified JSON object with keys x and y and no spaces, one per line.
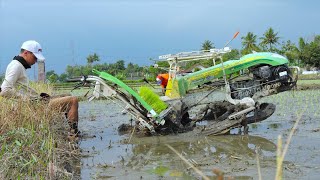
{"x":152,"y":99}
{"x":258,"y":163}
{"x":188,"y":163}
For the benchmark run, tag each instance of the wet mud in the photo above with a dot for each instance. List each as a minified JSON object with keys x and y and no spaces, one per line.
{"x":106,"y":154}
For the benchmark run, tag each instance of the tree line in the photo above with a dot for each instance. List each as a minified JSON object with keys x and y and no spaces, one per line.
{"x":305,"y":54}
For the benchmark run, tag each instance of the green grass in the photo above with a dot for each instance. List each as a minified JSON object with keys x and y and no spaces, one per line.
{"x":308,"y":76}
{"x":309,"y":82}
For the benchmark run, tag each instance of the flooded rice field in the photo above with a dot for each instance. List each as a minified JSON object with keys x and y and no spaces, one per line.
{"x":109,"y":155}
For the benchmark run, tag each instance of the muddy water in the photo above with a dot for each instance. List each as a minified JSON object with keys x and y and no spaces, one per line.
{"x":108,"y":155}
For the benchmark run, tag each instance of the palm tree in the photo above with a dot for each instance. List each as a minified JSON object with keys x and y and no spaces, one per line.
{"x":301,"y":50}
{"x":270,"y":38}
{"x":207,"y":45}
{"x":249,"y":43}
{"x":92,"y":58}
{"x":290,"y":50}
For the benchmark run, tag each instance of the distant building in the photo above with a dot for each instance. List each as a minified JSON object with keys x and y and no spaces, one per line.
{"x":311,"y":72}
{"x":41,"y":71}
{"x":194,"y":68}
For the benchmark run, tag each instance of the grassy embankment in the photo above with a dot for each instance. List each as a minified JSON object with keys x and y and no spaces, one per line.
{"x":310,"y":81}
{"x":33,"y":142}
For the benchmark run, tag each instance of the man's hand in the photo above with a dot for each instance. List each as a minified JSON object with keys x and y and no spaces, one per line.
{"x":44,"y":96}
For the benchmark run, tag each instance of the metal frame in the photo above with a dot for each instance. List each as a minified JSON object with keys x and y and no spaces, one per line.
{"x":102,"y":88}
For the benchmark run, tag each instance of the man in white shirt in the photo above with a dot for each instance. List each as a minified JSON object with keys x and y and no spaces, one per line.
{"x":15,"y":84}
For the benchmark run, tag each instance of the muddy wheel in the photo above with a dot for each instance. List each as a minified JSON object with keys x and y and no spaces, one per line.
{"x":264,"y":111}
{"x":221,"y":127}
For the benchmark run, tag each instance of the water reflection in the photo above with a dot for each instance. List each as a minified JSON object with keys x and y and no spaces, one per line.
{"x":152,"y":155}
{"x":210,"y":145}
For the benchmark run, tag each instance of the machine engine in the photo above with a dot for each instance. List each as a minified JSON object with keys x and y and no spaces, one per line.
{"x":267,"y":73}
{"x":271,"y":79}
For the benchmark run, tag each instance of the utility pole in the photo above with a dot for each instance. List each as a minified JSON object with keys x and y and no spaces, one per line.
{"x":34,"y":73}
{"x":41,"y":71}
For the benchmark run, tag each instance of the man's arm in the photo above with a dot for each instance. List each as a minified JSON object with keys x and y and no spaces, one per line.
{"x":11,"y":78}
{"x":10,"y":83}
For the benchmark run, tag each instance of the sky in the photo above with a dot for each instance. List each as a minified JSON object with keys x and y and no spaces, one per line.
{"x":137,"y":30}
